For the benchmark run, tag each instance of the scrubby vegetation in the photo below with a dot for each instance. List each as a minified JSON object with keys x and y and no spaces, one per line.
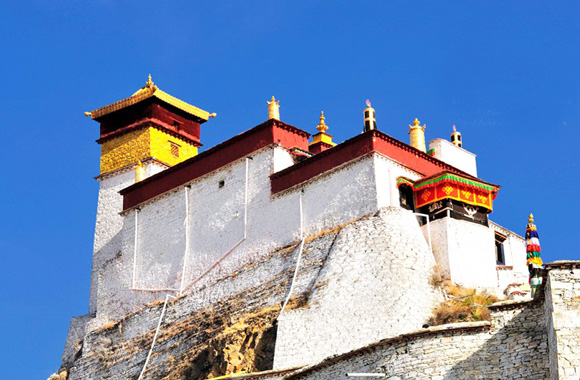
{"x":462,"y":305}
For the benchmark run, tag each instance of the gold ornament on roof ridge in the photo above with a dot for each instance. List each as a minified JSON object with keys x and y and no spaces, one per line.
{"x":417,"y":125}
{"x":322,"y":127}
{"x":149,"y":82}
{"x":417,"y":135}
{"x":273,"y":108}
{"x":531,"y":218}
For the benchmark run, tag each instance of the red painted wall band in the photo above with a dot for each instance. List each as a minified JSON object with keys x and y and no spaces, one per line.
{"x":265,"y":134}
{"x":355,"y":148}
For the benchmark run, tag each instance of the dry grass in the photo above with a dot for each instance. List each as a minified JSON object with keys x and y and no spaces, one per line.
{"x":438,"y":277}
{"x":464,"y":305}
{"x":107,"y":326}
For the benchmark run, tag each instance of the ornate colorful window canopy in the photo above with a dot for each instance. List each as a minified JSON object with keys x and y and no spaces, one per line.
{"x":452,"y":186}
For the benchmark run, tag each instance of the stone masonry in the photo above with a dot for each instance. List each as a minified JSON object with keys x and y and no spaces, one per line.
{"x":375,"y":285}
{"x":197,"y":321}
{"x":563,"y":318}
{"x":513,"y":346}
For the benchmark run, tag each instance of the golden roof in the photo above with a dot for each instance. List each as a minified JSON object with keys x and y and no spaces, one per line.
{"x":148,"y":91}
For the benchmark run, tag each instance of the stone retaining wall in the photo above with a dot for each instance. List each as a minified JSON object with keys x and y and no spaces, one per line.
{"x":513,"y":346}
{"x":563,"y":318}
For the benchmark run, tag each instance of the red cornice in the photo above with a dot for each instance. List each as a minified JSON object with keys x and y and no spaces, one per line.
{"x":371,"y":141}
{"x":277,"y":132}
{"x":266,"y":134}
{"x":318,"y":147}
{"x":151,"y":122}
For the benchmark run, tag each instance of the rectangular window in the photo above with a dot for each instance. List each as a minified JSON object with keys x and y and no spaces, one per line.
{"x":174,"y":149}
{"x":499,"y":251}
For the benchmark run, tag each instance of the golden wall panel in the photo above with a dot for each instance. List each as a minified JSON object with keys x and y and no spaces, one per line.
{"x":125,"y":150}
{"x":161,"y":147}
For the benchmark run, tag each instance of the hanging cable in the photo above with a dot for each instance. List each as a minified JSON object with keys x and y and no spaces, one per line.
{"x":135,"y":249}
{"x":187,"y":247}
{"x":155,"y":336}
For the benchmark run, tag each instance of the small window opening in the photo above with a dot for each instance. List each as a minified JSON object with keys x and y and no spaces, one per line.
{"x":174,"y":149}
{"x":499,"y":249}
{"x":176,"y":124}
{"x":221,"y":184}
{"x":406,"y":197}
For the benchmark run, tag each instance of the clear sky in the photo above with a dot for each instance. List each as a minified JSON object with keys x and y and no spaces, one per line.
{"x":505,"y":72}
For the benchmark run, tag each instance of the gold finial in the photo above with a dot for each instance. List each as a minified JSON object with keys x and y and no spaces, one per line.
{"x":274,"y":109}
{"x":369,"y":117}
{"x":88,"y":114}
{"x":322,"y":140}
{"x":139,"y":171}
{"x":531,"y":218}
{"x":417,"y":124}
{"x":149,"y":82}
{"x":417,"y":135}
{"x":456,"y":137}
{"x":322,"y":127}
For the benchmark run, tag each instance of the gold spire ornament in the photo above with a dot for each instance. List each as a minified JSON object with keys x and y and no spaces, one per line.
{"x":149,"y":82}
{"x":139,"y":172}
{"x":322,"y":140}
{"x":531,"y":218}
{"x":273,"y":109}
{"x":322,"y":127}
{"x":149,"y":87}
{"x":417,"y":135}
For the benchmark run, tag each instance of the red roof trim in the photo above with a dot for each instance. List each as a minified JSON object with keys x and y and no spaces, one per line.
{"x":371,"y":141}
{"x":268,"y":133}
{"x":151,"y":122}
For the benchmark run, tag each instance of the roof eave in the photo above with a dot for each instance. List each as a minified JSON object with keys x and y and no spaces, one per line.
{"x":149,"y":93}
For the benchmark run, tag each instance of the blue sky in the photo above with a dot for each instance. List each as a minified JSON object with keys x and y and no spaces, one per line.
{"x":506,"y":73}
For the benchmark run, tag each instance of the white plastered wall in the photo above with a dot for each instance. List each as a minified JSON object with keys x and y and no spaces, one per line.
{"x":106,"y":247}
{"x":454,"y":155}
{"x":109,"y":223}
{"x":466,"y":251}
{"x":514,"y":248}
{"x":515,"y":253}
{"x":216,"y":219}
{"x":374,"y":285}
{"x":386,"y":173}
